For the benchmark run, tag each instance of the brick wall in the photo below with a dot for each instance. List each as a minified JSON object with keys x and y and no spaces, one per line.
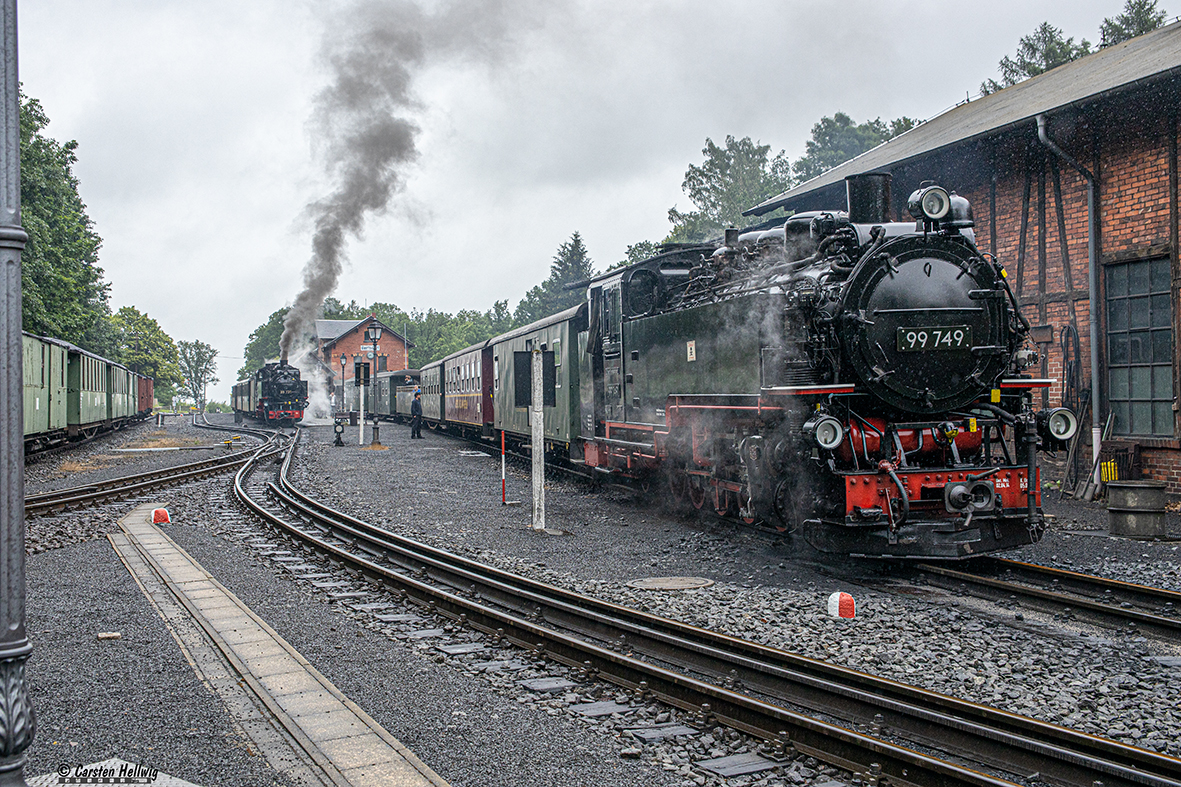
{"x":390,"y":345}
{"x":1134,"y":213}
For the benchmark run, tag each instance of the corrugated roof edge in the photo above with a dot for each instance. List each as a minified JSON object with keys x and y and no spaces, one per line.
{"x":1024,"y":101}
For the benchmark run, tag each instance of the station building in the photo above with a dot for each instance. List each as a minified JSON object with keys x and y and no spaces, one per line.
{"x":341,"y":344}
{"x":1072,"y":176}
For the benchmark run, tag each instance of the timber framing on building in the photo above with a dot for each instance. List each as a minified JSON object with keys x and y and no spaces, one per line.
{"x":1023,"y":156}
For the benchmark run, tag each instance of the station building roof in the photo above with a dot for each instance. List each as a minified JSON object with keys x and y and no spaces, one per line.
{"x":328,"y":331}
{"x":1151,"y":58}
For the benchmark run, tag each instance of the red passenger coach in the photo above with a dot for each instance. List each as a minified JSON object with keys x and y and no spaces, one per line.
{"x":467,"y":377}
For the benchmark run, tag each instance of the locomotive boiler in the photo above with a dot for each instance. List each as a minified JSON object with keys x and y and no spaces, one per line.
{"x":854,"y":380}
{"x":274,"y":393}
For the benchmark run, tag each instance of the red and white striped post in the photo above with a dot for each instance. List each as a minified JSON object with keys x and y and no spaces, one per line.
{"x":503,"y":488}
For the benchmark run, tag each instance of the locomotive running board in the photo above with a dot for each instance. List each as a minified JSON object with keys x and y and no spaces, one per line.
{"x":807,"y":390}
{"x":1033,"y":382}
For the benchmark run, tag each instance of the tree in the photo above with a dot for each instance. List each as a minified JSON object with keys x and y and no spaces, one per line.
{"x":62,"y":289}
{"x":1043,"y":49}
{"x":144,"y":347}
{"x":837,"y":139}
{"x":637,"y":252}
{"x":263,"y":343}
{"x":571,"y":264}
{"x":730,"y":180}
{"x":1139,"y":17}
{"x":198,"y":362}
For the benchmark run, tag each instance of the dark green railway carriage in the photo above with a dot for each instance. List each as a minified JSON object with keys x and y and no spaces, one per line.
{"x":121,"y":399}
{"x":405,"y":383}
{"x":557,"y":337}
{"x":88,"y":377}
{"x":44,"y":363}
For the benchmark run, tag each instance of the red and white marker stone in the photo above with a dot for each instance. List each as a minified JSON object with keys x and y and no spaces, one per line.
{"x":160,"y":517}
{"x":840,"y":605}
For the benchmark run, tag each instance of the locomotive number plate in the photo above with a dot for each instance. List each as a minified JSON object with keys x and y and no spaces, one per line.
{"x":940,"y":337}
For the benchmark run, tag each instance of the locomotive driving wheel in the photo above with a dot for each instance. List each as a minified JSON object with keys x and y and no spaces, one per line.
{"x":785,"y":514}
{"x":746,"y":509}
{"x":722,"y":501}
{"x":697,"y":492}
{"x":678,"y":483}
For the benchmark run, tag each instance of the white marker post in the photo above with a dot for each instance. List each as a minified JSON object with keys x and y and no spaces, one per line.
{"x":537,"y":414}
{"x":362,"y":429}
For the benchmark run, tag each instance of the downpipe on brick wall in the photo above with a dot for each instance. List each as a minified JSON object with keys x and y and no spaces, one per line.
{"x":1092,"y":286}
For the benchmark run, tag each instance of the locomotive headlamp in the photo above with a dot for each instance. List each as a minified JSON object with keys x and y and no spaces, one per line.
{"x":931,"y":203}
{"x":1061,"y":423}
{"x":827,"y":431}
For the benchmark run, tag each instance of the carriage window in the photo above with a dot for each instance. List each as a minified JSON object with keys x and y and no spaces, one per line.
{"x":1140,"y":347}
{"x":496,"y":373}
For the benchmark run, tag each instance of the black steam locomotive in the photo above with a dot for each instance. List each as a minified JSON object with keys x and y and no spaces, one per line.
{"x":275,"y":393}
{"x":853,"y":379}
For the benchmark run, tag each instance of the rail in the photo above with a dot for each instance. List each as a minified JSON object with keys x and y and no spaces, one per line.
{"x":1098,"y":600}
{"x":584,"y":632}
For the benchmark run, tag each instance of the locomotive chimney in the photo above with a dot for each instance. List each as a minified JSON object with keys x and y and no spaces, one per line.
{"x":283,"y":359}
{"x":869,"y":197}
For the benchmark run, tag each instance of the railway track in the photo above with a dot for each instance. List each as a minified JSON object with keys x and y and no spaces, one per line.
{"x":1103,"y":602}
{"x":116,"y":488}
{"x":769,"y":693}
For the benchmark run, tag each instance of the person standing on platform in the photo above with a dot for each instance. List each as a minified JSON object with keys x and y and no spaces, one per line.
{"x":416,"y":417}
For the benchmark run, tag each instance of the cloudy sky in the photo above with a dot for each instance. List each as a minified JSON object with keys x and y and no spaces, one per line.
{"x":199,"y":152}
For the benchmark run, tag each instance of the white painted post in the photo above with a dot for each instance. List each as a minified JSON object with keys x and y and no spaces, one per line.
{"x":537,"y":414}
{"x":361,"y":431}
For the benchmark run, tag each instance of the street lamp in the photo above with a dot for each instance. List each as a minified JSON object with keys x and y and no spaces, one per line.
{"x":372,"y":335}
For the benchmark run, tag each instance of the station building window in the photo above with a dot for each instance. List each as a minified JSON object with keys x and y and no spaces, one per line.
{"x":1140,"y":347}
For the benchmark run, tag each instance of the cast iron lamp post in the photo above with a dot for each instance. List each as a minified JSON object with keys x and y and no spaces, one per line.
{"x":16,"y":732}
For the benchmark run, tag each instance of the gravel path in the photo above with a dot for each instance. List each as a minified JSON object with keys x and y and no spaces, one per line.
{"x":135,"y":698}
{"x":472,"y":731}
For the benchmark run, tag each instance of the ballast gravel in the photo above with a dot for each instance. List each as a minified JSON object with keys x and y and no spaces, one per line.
{"x":99,"y":461}
{"x":459,"y":724}
{"x":107,"y":456}
{"x":1121,"y":687}
{"x":467,"y":714}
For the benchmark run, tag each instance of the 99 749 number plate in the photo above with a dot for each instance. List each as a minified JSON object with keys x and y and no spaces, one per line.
{"x":941,"y":337}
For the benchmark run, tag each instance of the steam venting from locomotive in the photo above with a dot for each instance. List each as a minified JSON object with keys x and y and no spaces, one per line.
{"x":363,"y":121}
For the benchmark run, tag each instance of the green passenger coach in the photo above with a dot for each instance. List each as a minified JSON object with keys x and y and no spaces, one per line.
{"x":557,"y":338}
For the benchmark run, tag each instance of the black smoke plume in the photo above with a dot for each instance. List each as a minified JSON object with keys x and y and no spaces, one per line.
{"x":364,"y":120}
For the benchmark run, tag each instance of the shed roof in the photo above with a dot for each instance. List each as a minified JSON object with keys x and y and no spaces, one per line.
{"x":1151,"y":57}
{"x":328,"y":331}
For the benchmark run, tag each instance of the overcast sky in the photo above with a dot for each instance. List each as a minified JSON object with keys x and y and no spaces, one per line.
{"x":198,"y":156}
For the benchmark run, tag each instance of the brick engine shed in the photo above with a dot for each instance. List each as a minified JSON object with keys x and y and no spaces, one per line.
{"x":341,"y":344}
{"x":1019,"y":156}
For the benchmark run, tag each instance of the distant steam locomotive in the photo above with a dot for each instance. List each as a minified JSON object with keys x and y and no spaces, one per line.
{"x":848,"y":378}
{"x":274,"y":393}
